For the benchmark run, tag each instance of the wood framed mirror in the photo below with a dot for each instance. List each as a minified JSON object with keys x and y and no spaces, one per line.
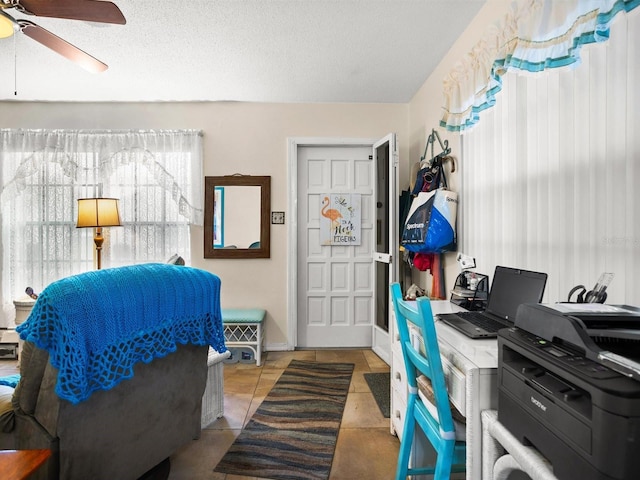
{"x":236,"y":216}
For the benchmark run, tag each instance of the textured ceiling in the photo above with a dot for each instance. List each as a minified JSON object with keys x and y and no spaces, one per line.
{"x":377,"y":51}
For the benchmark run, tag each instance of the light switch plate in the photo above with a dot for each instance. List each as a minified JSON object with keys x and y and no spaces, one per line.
{"x":277,"y":218}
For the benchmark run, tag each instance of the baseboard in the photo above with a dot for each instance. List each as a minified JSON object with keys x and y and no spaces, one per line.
{"x":277,"y":347}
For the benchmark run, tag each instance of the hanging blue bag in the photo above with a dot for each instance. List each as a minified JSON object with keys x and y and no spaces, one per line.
{"x":430,"y":226}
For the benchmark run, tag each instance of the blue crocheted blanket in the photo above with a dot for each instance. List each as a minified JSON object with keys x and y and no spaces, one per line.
{"x":97,"y":325}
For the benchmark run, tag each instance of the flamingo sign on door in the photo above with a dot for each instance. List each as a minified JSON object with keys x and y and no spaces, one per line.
{"x":340,"y":219}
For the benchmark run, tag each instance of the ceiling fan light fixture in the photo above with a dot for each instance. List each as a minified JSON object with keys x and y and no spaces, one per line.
{"x":7,"y":25}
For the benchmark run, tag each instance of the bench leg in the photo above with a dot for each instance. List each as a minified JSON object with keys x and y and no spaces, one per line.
{"x":259,"y":346}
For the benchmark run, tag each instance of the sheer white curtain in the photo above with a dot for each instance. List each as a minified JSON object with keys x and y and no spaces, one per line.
{"x":157,"y":175}
{"x":551,"y":173}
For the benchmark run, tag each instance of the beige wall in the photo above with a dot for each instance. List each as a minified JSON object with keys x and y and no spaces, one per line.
{"x":425,"y":111}
{"x":242,"y":138}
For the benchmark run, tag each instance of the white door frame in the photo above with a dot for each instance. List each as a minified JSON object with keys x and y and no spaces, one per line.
{"x":292,"y":207}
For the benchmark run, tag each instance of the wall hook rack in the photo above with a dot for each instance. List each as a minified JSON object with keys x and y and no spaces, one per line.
{"x":444,"y":146}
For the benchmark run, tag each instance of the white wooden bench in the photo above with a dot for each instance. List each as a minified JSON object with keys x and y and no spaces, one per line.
{"x":243,"y":328}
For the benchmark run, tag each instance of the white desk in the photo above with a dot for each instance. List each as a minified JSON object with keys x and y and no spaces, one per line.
{"x":478,"y":360}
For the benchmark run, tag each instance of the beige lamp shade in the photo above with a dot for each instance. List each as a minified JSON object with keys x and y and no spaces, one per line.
{"x":98,"y":212}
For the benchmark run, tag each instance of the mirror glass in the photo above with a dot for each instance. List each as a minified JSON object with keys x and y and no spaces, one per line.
{"x":240,"y":217}
{"x":237,"y":210}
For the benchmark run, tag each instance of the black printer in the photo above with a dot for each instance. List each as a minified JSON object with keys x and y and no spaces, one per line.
{"x":569,"y":385}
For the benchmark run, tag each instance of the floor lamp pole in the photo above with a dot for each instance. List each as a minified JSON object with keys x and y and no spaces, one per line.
{"x":98,"y":239}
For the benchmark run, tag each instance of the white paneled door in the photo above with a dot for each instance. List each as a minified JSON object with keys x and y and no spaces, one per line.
{"x":335,"y":282}
{"x":341,"y":291}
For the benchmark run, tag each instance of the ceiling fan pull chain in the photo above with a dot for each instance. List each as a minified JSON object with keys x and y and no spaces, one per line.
{"x":15,"y":67}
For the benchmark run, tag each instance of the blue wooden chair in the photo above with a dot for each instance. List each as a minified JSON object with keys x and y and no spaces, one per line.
{"x":438,"y":426}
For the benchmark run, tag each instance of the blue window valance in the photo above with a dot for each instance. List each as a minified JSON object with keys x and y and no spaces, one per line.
{"x":533,"y":36}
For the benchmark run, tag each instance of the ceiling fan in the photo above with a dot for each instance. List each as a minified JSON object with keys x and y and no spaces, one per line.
{"x":87,"y":10}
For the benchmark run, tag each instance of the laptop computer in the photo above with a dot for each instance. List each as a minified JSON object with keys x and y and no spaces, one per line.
{"x":511,"y":287}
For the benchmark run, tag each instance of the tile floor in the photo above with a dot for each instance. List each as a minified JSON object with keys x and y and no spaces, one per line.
{"x":365,"y":446}
{"x":8,"y":367}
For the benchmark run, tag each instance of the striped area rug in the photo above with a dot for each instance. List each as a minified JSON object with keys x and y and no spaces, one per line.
{"x":293,"y":433}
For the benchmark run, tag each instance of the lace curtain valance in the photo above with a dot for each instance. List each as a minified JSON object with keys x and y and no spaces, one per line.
{"x":172,"y":157}
{"x":533,"y":36}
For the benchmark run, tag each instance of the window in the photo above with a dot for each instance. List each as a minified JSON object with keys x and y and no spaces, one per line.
{"x":550,"y":174}
{"x":156,"y":175}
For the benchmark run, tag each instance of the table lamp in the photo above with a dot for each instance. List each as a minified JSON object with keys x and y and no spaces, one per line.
{"x":98,"y":213}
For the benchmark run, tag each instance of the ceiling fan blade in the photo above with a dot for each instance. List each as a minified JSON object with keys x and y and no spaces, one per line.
{"x":88,"y":10}
{"x":62,"y":47}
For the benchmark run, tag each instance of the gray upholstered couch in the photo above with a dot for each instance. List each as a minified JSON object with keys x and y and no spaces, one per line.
{"x":115,"y":434}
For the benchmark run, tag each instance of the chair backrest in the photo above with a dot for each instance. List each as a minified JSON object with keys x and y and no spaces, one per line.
{"x":422,"y":357}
